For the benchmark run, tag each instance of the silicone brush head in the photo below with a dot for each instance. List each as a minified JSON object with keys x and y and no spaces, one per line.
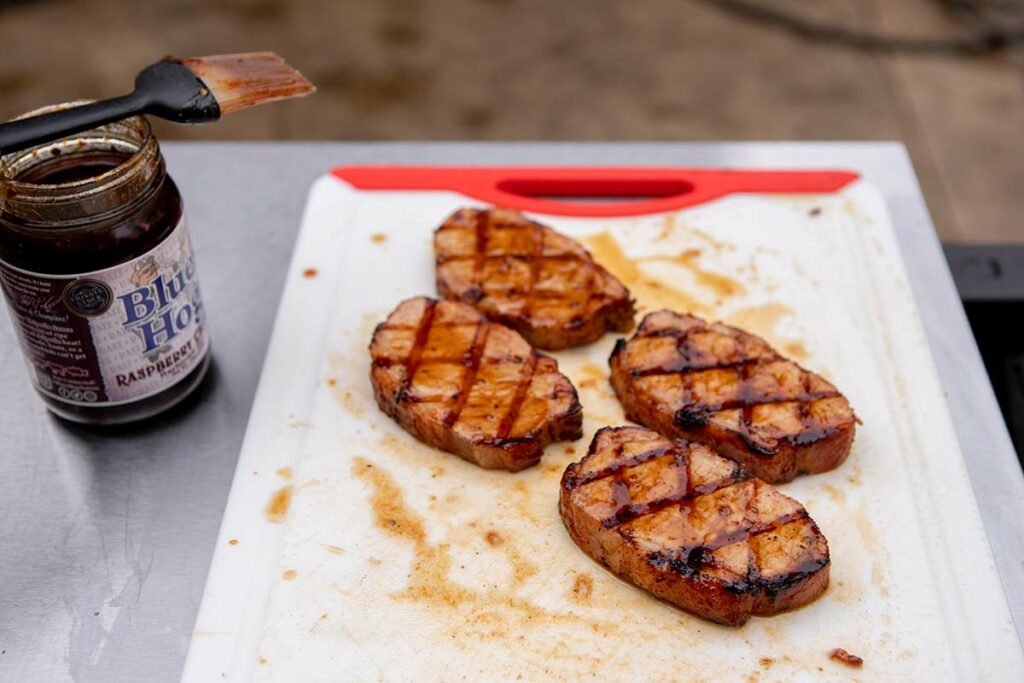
{"x":190,"y":90}
{"x":244,"y":80}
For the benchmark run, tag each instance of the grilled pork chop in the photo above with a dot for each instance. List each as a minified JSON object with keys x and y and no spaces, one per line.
{"x":722,"y":386}
{"x":469,"y":386}
{"x":691,"y":527}
{"x":525,"y":275}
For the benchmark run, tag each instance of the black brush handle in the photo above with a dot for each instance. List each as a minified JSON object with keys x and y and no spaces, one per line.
{"x":25,"y":133}
{"x":167,"y":89}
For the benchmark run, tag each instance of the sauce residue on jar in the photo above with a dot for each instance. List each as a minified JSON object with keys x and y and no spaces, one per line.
{"x":72,"y":168}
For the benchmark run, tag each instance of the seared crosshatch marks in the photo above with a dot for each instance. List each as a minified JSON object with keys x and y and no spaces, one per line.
{"x":413,"y":361}
{"x":688,"y":509}
{"x":747,"y":363}
{"x":529,"y":277}
{"x":480,"y":257}
{"x":447,"y":338}
{"x":723,"y":386}
{"x":536,"y":252}
{"x":474,"y":357}
{"x":516,"y":407}
{"x":470,"y":386}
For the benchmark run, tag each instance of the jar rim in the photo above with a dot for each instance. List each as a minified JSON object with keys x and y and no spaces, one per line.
{"x":131,"y":136}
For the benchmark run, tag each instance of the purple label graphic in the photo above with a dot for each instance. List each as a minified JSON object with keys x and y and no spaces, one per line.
{"x":115,"y":335}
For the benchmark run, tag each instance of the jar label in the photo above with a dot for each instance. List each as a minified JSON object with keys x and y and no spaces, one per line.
{"x":115,"y":335}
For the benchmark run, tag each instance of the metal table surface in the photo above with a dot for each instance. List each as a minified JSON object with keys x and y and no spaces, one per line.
{"x":106,"y":538}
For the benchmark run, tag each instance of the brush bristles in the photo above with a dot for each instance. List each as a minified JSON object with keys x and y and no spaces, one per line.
{"x":245,"y":80}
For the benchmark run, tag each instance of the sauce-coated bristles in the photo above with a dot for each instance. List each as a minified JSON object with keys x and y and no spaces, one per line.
{"x":245,"y":80}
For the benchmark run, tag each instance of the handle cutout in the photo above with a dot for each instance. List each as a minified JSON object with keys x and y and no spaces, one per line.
{"x":595,"y":190}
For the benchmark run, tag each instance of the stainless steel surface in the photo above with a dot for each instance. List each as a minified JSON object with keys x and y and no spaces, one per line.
{"x":106,"y":537}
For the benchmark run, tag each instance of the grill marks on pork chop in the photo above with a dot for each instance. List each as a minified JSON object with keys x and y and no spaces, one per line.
{"x":723,"y":386}
{"x":525,"y":275}
{"x":691,"y":527}
{"x":469,"y":386}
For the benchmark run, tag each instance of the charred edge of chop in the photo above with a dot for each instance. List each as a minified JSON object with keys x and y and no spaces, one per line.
{"x":546,"y":286}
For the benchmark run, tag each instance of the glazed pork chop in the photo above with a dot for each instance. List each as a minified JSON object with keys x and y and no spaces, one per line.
{"x":730,"y":389}
{"x":692,"y":527}
{"x":525,"y":275}
{"x":466,"y":385}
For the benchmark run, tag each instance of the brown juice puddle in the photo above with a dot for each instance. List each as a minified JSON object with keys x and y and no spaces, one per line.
{"x":310,"y":273}
{"x":496,"y":612}
{"x":653,"y":293}
{"x":378,"y":238}
{"x":429,"y":579}
{"x":650,"y":292}
{"x":277,"y":507}
{"x":672,"y":223}
{"x":762,"y":321}
{"x":285,"y":473}
{"x":722,"y":285}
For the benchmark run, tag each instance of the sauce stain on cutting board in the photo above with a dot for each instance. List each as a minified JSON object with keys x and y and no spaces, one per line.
{"x":722,"y":285}
{"x":592,"y":376}
{"x":350,"y":397}
{"x":650,"y":292}
{"x":582,"y":588}
{"x":709,"y":290}
{"x":431,"y":563}
{"x":277,"y":506}
{"x":653,"y":293}
{"x":489,"y":610}
{"x":763,"y":320}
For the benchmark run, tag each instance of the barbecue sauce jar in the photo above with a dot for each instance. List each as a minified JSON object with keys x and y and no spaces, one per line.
{"x":97,"y":270}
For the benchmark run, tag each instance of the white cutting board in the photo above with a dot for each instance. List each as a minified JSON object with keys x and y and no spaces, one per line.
{"x":350,"y":551}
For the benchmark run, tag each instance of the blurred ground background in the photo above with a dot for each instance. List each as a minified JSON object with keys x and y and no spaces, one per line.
{"x":582,"y":70}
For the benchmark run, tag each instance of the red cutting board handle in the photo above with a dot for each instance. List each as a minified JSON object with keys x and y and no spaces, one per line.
{"x":558,"y":190}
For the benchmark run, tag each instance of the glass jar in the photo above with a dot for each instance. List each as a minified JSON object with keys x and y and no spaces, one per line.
{"x":97,"y":270}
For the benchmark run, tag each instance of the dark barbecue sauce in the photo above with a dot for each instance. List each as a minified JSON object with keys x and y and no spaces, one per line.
{"x":97,"y":268}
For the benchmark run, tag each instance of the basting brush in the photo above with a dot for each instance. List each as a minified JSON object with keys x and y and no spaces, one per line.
{"x":188,"y":90}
